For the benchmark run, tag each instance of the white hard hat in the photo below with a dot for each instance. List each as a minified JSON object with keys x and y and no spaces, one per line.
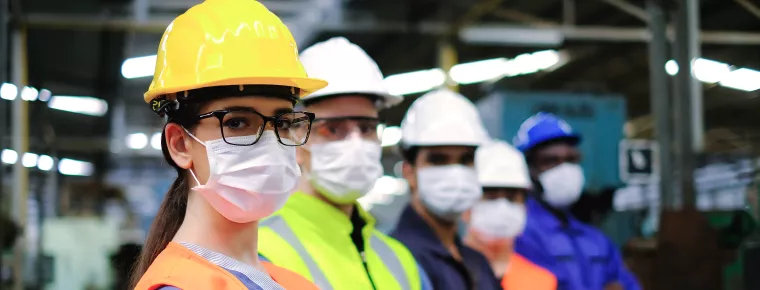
{"x":501,"y":165}
{"x":347,"y":69}
{"x":440,"y":118}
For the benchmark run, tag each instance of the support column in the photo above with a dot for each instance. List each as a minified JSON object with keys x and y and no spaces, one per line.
{"x":660,"y":96}
{"x":688,"y":99}
{"x":20,"y":123}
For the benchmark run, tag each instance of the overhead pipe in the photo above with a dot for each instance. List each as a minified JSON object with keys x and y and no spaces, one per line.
{"x":577,"y":33}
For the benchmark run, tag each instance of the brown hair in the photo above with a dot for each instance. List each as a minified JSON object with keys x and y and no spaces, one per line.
{"x":172,"y":211}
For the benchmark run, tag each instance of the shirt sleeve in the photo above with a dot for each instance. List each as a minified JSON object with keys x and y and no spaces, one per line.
{"x":617,"y":271}
{"x":424,"y":279}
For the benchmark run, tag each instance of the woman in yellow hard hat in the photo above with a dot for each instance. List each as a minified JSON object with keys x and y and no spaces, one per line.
{"x":227,"y":77}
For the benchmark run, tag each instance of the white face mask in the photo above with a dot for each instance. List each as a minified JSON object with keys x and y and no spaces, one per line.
{"x":562,"y":184}
{"x":248,"y":183}
{"x":498,"y":218}
{"x":447,"y":191}
{"x":345,"y":170}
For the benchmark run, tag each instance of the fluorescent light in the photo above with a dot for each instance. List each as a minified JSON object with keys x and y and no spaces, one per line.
{"x":415,"y":82}
{"x":671,"y":67}
{"x":710,"y":71}
{"x":494,"y":34}
{"x":155,"y":141}
{"x":29,"y":159}
{"x":82,"y":105}
{"x":75,"y":167}
{"x":137,"y":141}
{"x":8,"y":91}
{"x":391,"y":136}
{"x":478,"y":71}
{"x":545,"y":59}
{"x":45,"y":95}
{"x":742,"y":79}
{"x":138,"y":67}
{"x":29,"y":94}
{"x":45,"y":163}
{"x":493,"y":69}
{"x":9,"y":156}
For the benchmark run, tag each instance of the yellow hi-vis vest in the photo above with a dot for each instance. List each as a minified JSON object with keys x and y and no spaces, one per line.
{"x":312,"y":238}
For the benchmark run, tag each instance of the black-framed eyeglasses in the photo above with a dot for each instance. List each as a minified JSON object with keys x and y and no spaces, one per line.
{"x":337,"y":128}
{"x":238,"y":125}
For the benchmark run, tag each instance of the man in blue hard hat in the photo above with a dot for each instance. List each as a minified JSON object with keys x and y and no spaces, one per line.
{"x":579,"y":255}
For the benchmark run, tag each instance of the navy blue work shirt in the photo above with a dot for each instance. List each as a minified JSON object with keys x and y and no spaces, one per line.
{"x":579,"y":255}
{"x":444,"y":272}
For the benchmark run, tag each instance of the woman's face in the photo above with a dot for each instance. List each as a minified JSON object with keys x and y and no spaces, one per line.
{"x":190,"y":154}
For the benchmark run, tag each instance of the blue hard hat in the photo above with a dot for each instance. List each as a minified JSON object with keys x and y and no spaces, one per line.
{"x":541,"y":128}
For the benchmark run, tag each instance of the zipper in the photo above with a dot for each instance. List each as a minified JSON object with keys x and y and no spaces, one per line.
{"x":366,"y":269}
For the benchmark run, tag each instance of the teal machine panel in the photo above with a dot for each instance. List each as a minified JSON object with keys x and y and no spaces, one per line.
{"x":598,"y":118}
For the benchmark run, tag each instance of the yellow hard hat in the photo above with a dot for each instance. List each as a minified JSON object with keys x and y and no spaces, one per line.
{"x":226,"y":43}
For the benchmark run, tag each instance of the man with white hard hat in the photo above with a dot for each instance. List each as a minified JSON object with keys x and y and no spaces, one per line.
{"x":499,"y":217}
{"x":321,"y":232}
{"x":440,"y":133}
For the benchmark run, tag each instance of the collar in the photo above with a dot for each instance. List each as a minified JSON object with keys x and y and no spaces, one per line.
{"x":323,"y":216}
{"x":231,"y":264}
{"x":411,"y":224}
{"x":543,"y":216}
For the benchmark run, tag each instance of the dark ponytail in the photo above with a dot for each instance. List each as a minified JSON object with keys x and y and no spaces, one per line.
{"x":171,"y":214}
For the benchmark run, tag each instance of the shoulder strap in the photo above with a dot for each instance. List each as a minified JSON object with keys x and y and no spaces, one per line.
{"x":278,"y":225}
{"x":288,"y":279}
{"x":391,"y":261}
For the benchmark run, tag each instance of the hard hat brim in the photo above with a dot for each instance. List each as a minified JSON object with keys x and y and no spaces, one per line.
{"x":385,"y":99}
{"x":307,"y":85}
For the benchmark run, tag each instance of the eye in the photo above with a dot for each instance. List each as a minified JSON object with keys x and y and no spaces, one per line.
{"x":236,"y":123}
{"x":284,"y":124}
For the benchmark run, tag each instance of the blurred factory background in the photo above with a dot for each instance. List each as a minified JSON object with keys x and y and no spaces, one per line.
{"x":82,"y":169}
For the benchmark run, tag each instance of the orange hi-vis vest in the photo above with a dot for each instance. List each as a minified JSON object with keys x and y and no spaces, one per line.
{"x":524,"y":275}
{"x":180,"y":267}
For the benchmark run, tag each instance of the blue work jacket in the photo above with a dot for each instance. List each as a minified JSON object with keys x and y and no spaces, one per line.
{"x":579,"y":255}
{"x":444,"y":272}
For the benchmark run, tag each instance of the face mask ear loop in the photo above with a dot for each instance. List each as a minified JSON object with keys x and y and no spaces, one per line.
{"x":195,"y":138}
{"x":196,"y":178}
{"x":204,"y":145}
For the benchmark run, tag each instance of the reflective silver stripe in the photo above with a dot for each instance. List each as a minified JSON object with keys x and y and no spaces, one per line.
{"x":279,"y":226}
{"x":391,"y":261}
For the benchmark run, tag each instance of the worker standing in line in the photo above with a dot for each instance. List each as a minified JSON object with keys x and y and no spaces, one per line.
{"x":322,"y":232}
{"x":579,"y":255}
{"x":440,"y":133}
{"x":231,"y":134}
{"x":495,"y":220}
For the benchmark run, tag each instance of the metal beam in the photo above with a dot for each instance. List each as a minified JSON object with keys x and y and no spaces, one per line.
{"x":659,"y":95}
{"x":629,"y":8}
{"x":568,"y":12}
{"x":687,"y":100}
{"x":750,"y":7}
{"x":274,"y":6}
{"x":20,"y":124}
{"x":577,"y":33}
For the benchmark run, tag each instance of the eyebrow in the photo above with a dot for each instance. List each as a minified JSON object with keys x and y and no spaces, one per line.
{"x":283,"y":111}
